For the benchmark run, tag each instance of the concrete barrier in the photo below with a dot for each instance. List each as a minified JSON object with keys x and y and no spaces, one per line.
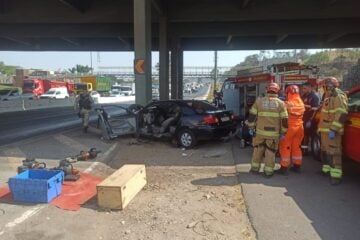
{"x":27,"y":104}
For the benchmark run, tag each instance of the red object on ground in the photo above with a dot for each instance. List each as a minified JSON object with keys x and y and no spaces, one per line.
{"x":73,"y":194}
{"x":5,"y":194}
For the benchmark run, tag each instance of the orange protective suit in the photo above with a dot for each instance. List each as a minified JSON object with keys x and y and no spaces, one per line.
{"x":290,"y":150}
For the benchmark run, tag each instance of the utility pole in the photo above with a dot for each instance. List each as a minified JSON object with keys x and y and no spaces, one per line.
{"x":215,"y":70}
{"x":91,"y":66}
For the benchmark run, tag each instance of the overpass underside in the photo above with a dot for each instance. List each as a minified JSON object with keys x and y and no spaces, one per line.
{"x":176,"y":26}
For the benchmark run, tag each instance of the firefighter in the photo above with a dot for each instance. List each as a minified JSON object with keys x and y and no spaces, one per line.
{"x":312,"y":102}
{"x":269,"y":116}
{"x":290,"y":150}
{"x":331,"y":127}
{"x":83,"y":105}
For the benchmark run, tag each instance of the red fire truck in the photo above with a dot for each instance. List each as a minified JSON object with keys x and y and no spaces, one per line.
{"x":240,"y":92}
{"x":34,"y":87}
{"x":352,"y":127}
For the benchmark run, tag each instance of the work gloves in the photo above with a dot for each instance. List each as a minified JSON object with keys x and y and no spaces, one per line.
{"x":282,"y":137}
{"x":332,"y":134}
{"x":308,"y":124}
{"x":252,"y":132}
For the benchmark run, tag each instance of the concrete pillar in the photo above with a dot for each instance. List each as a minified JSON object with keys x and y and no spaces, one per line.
{"x":164,"y":59}
{"x":174,"y":67}
{"x":142,"y":43}
{"x":180,"y":81}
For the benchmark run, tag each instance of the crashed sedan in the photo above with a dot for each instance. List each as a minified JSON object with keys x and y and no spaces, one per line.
{"x":186,"y":121}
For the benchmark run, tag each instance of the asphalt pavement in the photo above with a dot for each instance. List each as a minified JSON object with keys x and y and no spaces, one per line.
{"x":21,"y":125}
{"x":301,"y":206}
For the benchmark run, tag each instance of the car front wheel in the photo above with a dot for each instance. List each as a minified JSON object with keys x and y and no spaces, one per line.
{"x":186,"y":138}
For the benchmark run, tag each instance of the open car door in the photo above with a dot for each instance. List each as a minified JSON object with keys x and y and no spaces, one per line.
{"x":116,"y":121}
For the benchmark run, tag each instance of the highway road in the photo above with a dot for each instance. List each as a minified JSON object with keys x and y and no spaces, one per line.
{"x":21,"y":125}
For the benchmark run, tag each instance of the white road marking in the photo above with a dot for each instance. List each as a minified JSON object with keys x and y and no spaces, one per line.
{"x":15,"y":151}
{"x":32,"y":211}
{"x":29,"y":213}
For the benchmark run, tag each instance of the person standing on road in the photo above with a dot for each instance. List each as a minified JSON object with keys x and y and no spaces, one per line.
{"x":83,"y":105}
{"x":331,"y":127}
{"x":218,"y":102}
{"x":290,"y":150}
{"x":312,"y":103}
{"x":269,"y":116}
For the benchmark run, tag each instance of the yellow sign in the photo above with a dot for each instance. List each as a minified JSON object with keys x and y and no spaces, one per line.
{"x":139,"y":66}
{"x":354,"y":122}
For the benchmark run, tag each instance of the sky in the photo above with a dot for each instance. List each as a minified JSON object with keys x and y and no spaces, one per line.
{"x":65,"y":60}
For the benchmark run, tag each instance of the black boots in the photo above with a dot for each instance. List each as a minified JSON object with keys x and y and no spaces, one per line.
{"x":335,"y":181}
{"x":296,"y":168}
{"x":283,"y":171}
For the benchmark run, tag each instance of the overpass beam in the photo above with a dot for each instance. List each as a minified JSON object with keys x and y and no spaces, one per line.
{"x":142,"y":44}
{"x":164,"y":59}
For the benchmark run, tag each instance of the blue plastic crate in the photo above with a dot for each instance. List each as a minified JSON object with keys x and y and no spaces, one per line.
{"x":36,"y":186}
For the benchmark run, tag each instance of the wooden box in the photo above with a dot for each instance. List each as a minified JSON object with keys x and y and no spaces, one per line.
{"x":117,"y":190}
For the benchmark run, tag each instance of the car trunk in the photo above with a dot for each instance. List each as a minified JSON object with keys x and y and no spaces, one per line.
{"x":224,"y":118}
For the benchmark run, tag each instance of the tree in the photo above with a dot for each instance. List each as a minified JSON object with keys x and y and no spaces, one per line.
{"x":353,"y":77}
{"x":6,"y":69}
{"x":80,"y":69}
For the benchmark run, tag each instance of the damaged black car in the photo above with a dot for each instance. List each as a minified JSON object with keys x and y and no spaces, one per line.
{"x":185,"y":121}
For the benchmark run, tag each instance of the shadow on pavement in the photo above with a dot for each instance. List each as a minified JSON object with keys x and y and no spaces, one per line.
{"x":332,"y":211}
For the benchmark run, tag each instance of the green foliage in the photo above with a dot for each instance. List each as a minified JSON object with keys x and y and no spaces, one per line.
{"x":6,"y":69}
{"x":80,"y":69}
{"x":340,"y":63}
{"x":352,"y":78}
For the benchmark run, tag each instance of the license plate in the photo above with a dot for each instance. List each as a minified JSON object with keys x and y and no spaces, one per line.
{"x":224,"y":119}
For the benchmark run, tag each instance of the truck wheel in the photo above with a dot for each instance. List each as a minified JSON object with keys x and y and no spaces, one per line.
{"x":186,"y":138}
{"x":315,"y":147}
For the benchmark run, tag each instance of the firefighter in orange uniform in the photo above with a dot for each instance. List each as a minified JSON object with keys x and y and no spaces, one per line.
{"x":331,"y":127}
{"x":268,"y":114}
{"x":290,"y":146}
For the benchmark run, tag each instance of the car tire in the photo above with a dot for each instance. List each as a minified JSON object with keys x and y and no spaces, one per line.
{"x":315,"y":147}
{"x":186,"y":138}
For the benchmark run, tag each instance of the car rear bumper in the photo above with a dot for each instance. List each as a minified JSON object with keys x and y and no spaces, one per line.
{"x":212,"y":132}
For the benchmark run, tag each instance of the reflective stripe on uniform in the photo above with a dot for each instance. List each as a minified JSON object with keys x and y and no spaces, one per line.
{"x":285,"y":159}
{"x":268,"y":114}
{"x":340,"y":110}
{"x":296,"y":157}
{"x":253,"y":111}
{"x":255,"y":165}
{"x":304,"y":146}
{"x":323,"y":130}
{"x":326,"y":168}
{"x":335,"y":173}
{"x":268,"y":170}
{"x":337,"y":124}
{"x":283,"y":114}
{"x":267,"y":133}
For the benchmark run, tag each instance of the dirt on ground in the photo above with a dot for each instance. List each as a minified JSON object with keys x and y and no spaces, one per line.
{"x":190,"y":194}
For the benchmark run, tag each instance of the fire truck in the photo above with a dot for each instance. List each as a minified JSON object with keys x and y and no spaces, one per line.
{"x":240,"y":92}
{"x":352,"y":127}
